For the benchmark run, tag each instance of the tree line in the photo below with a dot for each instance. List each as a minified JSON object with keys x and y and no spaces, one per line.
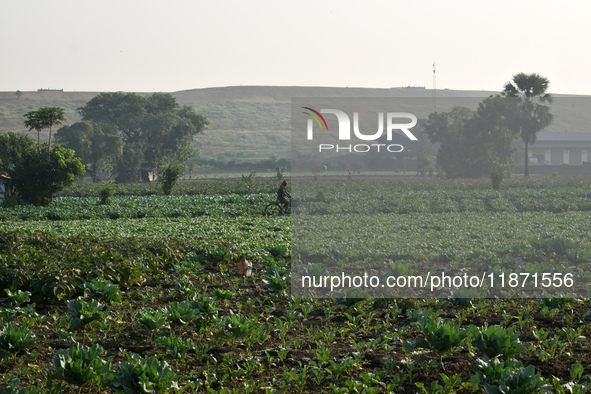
{"x":119,"y":132}
{"x":475,"y":143}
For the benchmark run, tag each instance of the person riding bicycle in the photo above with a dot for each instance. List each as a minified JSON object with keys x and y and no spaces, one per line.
{"x":282,"y":193}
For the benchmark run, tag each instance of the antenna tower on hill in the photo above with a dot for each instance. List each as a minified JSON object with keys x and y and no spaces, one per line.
{"x":434,"y":89}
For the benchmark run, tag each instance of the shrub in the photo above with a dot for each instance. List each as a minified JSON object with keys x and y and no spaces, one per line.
{"x":9,"y":202}
{"x":105,"y":195}
{"x":41,"y":173}
{"x":498,"y":172}
{"x":170,"y":175}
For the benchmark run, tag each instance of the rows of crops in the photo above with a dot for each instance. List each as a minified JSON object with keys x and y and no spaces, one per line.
{"x":138,"y":207}
{"x":103,"y":302}
{"x":311,"y":201}
{"x":383,"y":183}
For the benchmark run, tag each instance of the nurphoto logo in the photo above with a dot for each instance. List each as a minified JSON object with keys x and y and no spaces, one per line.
{"x":391,"y":123}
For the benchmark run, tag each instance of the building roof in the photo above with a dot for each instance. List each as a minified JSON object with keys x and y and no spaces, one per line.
{"x":563,"y":137}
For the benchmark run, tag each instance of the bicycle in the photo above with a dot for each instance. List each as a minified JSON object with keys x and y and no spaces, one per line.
{"x":276,"y":208}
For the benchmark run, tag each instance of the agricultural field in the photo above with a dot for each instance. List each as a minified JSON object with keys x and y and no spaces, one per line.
{"x":139,"y":292}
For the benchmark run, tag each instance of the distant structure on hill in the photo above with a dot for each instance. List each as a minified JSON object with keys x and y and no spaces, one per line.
{"x":50,"y":90}
{"x":408,"y":87}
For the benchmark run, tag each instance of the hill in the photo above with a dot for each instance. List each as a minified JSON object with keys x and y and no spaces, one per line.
{"x":253,"y":122}
{"x":228,"y":108}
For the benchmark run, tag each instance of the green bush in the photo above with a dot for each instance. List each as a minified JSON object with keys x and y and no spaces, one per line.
{"x":105,"y":195}
{"x":41,"y":173}
{"x":498,"y":172}
{"x":169,"y":175}
{"x":9,"y":202}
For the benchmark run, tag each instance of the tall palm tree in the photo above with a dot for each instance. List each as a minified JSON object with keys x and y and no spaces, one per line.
{"x":531,"y":117}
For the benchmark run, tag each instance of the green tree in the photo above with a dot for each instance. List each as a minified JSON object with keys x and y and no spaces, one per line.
{"x":38,"y":173}
{"x":531,"y":117}
{"x":153,"y":129}
{"x":13,"y":147}
{"x":493,"y":127}
{"x":471,"y":141}
{"x":44,"y":118}
{"x":449,"y":130}
{"x":98,"y":146}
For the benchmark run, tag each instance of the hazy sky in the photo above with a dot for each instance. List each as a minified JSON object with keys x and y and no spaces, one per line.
{"x":142,"y":45}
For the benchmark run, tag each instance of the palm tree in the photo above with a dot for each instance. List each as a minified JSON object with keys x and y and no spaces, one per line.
{"x":531,"y":117}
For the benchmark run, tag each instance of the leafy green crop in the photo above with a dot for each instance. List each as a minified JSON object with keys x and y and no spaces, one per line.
{"x":521,"y":381}
{"x":152,"y":320}
{"x":180,"y":313}
{"x":236,"y":327}
{"x":16,"y":299}
{"x":175,"y":346}
{"x":14,"y":389}
{"x":84,"y":311}
{"x":438,"y":336}
{"x":179,"y":248}
{"x":221,"y":294}
{"x":15,"y":339}
{"x":199,"y":312}
{"x":496,"y":341}
{"x":141,"y":375}
{"x":79,"y":365}
{"x":103,"y":290}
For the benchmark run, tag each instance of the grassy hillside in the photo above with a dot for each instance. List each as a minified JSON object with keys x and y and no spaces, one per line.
{"x":252,"y":122}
